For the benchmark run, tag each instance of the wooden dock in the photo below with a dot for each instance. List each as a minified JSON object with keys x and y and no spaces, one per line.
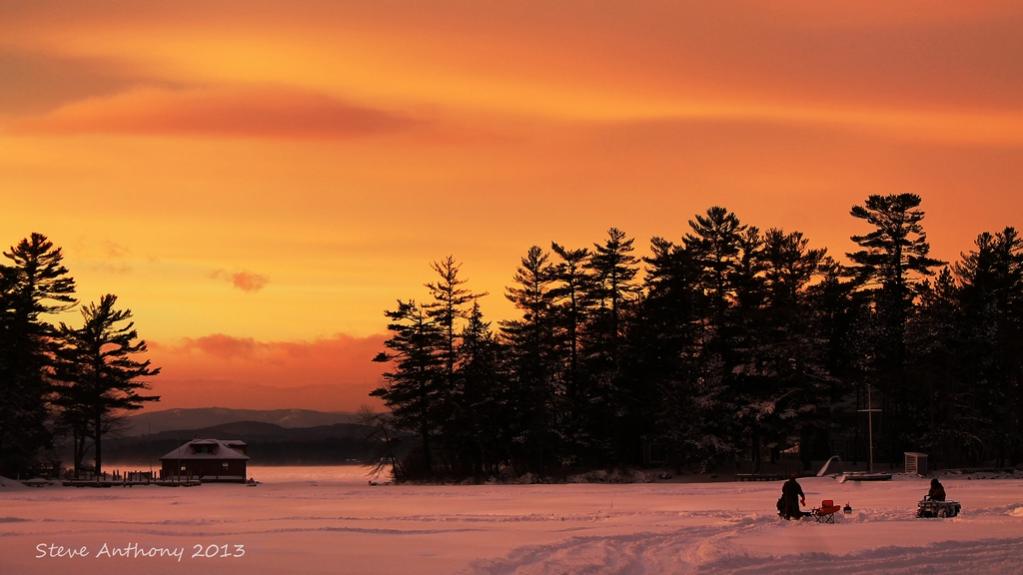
{"x":177,"y":483}
{"x":761,"y":476}
{"x":864,"y":476}
{"x":125,"y":483}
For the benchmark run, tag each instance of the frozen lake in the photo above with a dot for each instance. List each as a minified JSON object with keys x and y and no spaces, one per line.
{"x":314,"y":520}
{"x":355,"y":474}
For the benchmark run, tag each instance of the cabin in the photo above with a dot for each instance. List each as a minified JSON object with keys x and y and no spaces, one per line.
{"x":207,"y":459}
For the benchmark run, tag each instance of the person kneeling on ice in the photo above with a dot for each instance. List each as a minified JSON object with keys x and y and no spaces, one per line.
{"x":937,"y":491}
{"x":791,"y":498}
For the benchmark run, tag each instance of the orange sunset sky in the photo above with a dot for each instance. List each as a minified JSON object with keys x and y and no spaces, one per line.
{"x":259,"y":180}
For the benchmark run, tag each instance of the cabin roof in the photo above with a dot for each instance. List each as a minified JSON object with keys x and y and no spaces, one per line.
{"x":221,"y":450}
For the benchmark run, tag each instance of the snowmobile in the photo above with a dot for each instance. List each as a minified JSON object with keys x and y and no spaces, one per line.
{"x":928,"y":507}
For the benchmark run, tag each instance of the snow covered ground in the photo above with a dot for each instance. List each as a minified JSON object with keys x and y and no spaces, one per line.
{"x":323,"y":521}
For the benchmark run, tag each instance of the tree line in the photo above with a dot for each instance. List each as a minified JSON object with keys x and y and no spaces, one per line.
{"x":60,"y":380}
{"x":727,"y":345}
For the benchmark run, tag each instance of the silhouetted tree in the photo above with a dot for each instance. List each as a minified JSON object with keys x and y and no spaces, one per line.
{"x":714,"y":245}
{"x":663,"y":367}
{"x":790,"y":402}
{"x":991,"y":276}
{"x":949,"y":426}
{"x":71,"y":401}
{"x":34,"y":285}
{"x":105,"y":378}
{"x":719,"y":243}
{"x":612,"y":287}
{"x":893,"y":258}
{"x":613,"y":291}
{"x":481,"y":396}
{"x":743,"y":336}
{"x":412,"y":389}
{"x":449,"y":303}
{"x":531,"y":355}
{"x":572,"y":305}
{"x":841,"y":315}
{"x":447,"y":309}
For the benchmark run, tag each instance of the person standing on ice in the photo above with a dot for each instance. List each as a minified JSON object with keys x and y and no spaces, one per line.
{"x":937,"y":491}
{"x":791,"y":498}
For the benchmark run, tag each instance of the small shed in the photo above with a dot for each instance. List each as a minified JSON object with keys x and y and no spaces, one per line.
{"x":916,"y":462}
{"x":207,"y":459}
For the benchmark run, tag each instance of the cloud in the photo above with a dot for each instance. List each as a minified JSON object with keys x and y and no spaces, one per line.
{"x":36,"y":83}
{"x":218,"y":112}
{"x":328,"y":373}
{"x":246,"y":281}
{"x":223,"y":346}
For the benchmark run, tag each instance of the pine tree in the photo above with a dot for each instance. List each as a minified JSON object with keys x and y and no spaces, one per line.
{"x":952,"y":430}
{"x":71,"y":401}
{"x":715,"y":242}
{"x":34,"y":285}
{"x":894,"y":256}
{"x":572,"y":304}
{"x":840,"y":316}
{"x":413,"y":385}
{"x":449,"y":303}
{"x":742,"y":345}
{"x":790,"y":403}
{"x":572,"y":308}
{"x":447,"y":309}
{"x":481,"y":395}
{"x":105,"y":378}
{"x":613,"y":269}
{"x":530,"y":342}
{"x":991,"y":276}
{"x":664,"y":342}
{"x":790,"y":265}
{"x":748,"y":277}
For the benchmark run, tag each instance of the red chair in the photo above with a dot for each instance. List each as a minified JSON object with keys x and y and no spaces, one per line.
{"x":826,"y":512}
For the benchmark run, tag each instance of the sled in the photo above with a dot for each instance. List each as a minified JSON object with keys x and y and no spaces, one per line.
{"x":930,"y":508}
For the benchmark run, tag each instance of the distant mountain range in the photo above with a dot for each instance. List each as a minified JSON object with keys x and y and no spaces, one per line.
{"x":268,"y":443}
{"x":154,"y":422}
{"x":275,"y":437}
{"x":257,"y":431}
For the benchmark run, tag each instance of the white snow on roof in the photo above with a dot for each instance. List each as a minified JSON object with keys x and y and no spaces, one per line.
{"x":221,"y":450}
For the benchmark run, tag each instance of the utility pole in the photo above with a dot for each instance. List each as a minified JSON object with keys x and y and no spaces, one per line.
{"x":870,"y":429}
